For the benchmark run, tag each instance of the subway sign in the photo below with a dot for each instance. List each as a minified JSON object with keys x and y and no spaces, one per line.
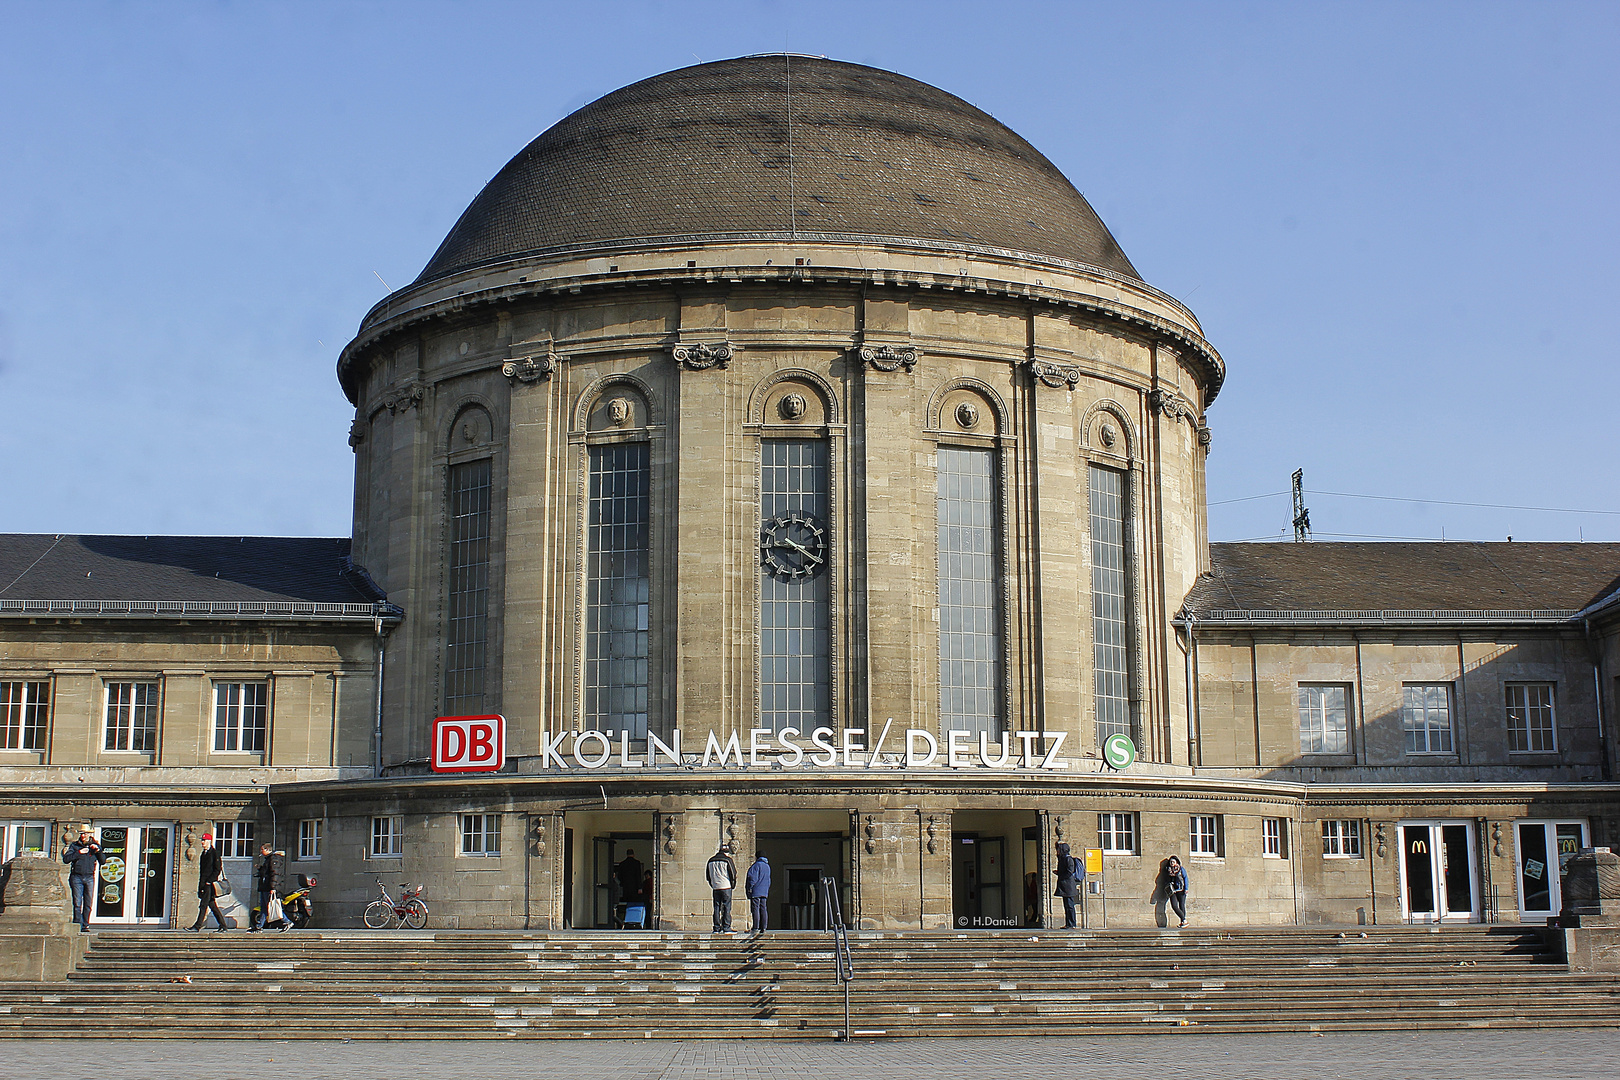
{"x":463,"y":744}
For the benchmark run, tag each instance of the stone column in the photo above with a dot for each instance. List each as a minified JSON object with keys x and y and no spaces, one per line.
{"x":889,"y":879}
{"x":934,"y":869}
{"x":38,"y":941}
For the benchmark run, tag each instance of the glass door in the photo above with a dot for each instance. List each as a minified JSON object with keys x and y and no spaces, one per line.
{"x":1544,"y":849}
{"x":1438,"y":872}
{"x":133,"y":887}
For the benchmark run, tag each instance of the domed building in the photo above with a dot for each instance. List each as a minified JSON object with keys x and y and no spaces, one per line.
{"x":779,"y":455}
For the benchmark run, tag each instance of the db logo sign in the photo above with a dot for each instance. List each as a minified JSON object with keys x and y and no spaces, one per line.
{"x":469,"y":743}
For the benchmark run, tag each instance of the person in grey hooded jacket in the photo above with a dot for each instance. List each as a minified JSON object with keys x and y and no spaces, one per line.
{"x":758,"y":888}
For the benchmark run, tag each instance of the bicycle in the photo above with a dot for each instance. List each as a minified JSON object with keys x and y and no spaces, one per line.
{"x":408,"y":909}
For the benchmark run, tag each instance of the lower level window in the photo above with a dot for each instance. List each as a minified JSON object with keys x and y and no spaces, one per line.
{"x":234,"y":839}
{"x":1341,"y":839}
{"x":480,"y":834}
{"x":387,"y":837}
{"x":1274,"y":837}
{"x":22,"y":837}
{"x":1116,"y":833}
{"x":24,"y":711}
{"x":309,"y":838}
{"x":1204,"y":835}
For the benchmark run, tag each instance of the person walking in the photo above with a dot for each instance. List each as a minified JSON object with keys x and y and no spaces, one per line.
{"x":1175,"y":887}
{"x":209,"y":868}
{"x":268,"y":878}
{"x":721,"y":874}
{"x":1068,"y":884}
{"x":757,"y":888}
{"x":84,"y":858}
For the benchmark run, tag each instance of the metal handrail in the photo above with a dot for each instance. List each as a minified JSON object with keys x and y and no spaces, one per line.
{"x":843,"y":962}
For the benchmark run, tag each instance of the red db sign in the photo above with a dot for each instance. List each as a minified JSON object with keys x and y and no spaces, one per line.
{"x":469,"y":743}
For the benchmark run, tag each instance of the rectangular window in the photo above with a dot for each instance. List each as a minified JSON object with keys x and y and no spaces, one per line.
{"x":1530,"y":718}
{"x":1110,"y":605}
{"x":1116,"y":834}
{"x":234,"y":839}
{"x":22,"y":837}
{"x":387,"y":837}
{"x":795,"y":640}
{"x":1205,"y":835}
{"x":1426,"y":715}
{"x":309,"y":838}
{"x":1341,"y":839}
{"x":25,"y":709}
{"x":132,"y":716}
{"x":480,"y":834}
{"x":241,"y":716}
{"x":467,"y":616}
{"x":1274,"y":837}
{"x":617,"y":583}
{"x":1324,"y":725}
{"x":969,"y":593}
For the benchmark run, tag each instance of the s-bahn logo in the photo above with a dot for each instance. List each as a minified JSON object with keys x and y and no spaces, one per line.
{"x":469,"y":744}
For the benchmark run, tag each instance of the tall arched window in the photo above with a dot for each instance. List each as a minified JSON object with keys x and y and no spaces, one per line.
{"x":467,"y":625}
{"x":617,"y":588}
{"x":1110,"y":601}
{"x":795,"y":639}
{"x":970,"y":647}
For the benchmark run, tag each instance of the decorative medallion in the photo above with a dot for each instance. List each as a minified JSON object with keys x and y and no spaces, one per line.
{"x":792,"y":406}
{"x":618,"y":411}
{"x":407,"y":395}
{"x":792,"y":546}
{"x":967,"y":415}
{"x":530,"y":369}
{"x":1054,"y":375}
{"x":1107,"y":435}
{"x":701,"y":356}
{"x":889,"y":357}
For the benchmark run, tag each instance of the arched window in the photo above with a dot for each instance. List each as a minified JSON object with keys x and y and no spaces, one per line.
{"x":1110,"y":600}
{"x":970,"y":645}
{"x":795,"y":661}
{"x":467,"y":624}
{"x":617,"y":587}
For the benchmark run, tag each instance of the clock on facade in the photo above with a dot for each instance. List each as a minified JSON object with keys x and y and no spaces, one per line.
{"x":792,"y":546}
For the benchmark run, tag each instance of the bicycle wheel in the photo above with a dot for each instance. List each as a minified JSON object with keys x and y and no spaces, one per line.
{"x":415,"y":914}
{"x":379,"y":914}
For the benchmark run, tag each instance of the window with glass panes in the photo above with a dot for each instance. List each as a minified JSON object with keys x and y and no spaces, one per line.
{"x":1530,"y":718}
{"x":617,"y":585}
{"x":22,"y":837}
{"x":466,"y":634}
{"x":132,"y":716}
{"x":1341,"y":839}
{"x":480,"y":834}
{"x":969,"y":592}
{"x":1116,"y":833}
{"x":25,"y":709}
{"x":234,"y":839}
{"x":387,"y":836}
{"x":309,"y":838}
{"x":1204,"y":834}
{"x":241,"y":716}
{"x":1324,"y":720}
{"x":1109,"y":603}
{"x":1426,"y":716}
{"x":795,"y":641}
{"x":1274,"y":838}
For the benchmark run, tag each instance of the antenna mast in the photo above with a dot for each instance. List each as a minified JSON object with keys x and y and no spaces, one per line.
{"x":1302,"y":516}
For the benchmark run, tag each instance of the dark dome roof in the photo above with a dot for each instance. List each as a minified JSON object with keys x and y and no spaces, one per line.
{"x":703,"y":152}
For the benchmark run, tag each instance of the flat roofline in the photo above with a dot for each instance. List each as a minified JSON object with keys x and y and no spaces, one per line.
{"x":1373,"y":617}
{"x":202,"y":609}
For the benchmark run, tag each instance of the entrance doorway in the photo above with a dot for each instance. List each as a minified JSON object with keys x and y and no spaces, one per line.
{"x":613,"y":884}
{"x":595,"y":848}
{"x":803,"y":846}
{"x":1544,"y":849}
{"x":1438,"y":872}
{"x":992,"y":855}
{"x":133,"y":887}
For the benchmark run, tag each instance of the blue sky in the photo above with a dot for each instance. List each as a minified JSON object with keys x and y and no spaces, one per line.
{"x":1398,"y":223}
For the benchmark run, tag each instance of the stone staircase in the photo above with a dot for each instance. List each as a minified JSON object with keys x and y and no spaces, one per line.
{"x":466,"y":984}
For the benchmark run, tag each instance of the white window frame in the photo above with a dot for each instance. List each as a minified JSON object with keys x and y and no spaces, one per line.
{"x":1520,"y":729}
{"x":125,"y":710}
{"x":309,"y":839}
{"x":25,"y":717}
{"x":1415,"y":720}
{"x":481,"y":836}
{"x":14,"y":835}
{"x":1116,"y":834}
{"x":234,"y":839}
{"x":388,"y":836}
{"x":1341,"y":838}
{"x":1314,"y":718}
{"x":1205,"y":836}
{"x":1274,"y":838}
{"x":228,"y":716}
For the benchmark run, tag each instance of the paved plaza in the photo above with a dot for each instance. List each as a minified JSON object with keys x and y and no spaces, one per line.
{"x":1547,"y":1054}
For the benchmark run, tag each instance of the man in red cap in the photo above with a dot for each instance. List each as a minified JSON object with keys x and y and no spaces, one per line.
{"x":208,"y":871}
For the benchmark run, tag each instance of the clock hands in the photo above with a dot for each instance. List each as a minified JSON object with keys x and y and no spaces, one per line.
{"x":789,"y":542}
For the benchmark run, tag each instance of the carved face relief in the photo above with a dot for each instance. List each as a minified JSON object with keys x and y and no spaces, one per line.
{"x":792,"y":406}
{"x":618,"y":411}
{"x":967,"y":414}
{"x":1108,"y":435}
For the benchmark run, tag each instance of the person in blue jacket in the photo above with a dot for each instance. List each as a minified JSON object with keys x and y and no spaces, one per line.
{"x":758,"y":889}
{"x":84,"y":859}
{"x":1175,"y":887}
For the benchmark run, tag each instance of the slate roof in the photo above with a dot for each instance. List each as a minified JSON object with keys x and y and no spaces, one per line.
{"x":1395,"y":581}
{"x":214,"y":574}
{"x":702,"y":152}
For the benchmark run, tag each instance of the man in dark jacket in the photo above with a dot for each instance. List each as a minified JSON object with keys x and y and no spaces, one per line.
{"x":84,"y":858}
{"x":209,"y":867}
{"x":758,"y":889}
{"x":1068,"y":883}
{"x":268,"y":876}
{"x":629,"y":873}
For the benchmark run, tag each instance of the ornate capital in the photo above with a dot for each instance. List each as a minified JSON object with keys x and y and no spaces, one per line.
{"x":700,"y":356}
{"x":407,"y":395}
{"x":1054,"y":375}
{"x":1205,"y":437}
{"x":1171,"y":405}
{"x":889,"y":357}
{"x":530,"y":369}
{"x":357,"y":433}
